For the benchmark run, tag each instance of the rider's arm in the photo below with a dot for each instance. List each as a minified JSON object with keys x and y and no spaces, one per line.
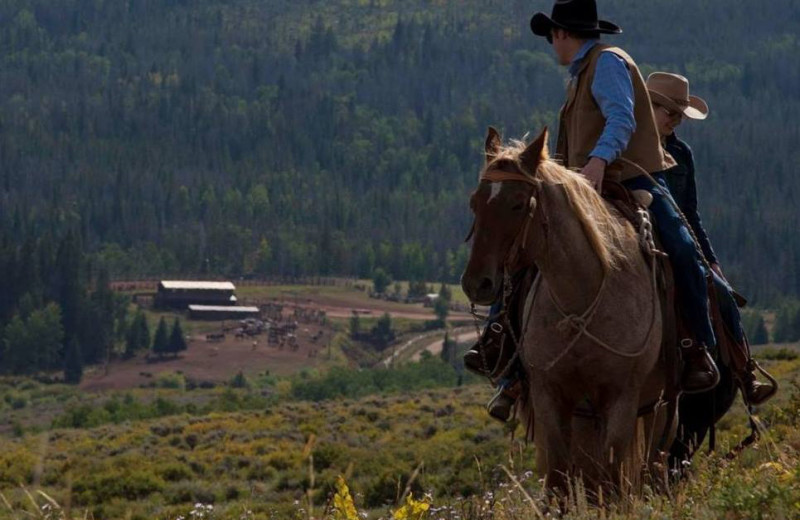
{"x":691,"y":212}
{"x":613,"y":90}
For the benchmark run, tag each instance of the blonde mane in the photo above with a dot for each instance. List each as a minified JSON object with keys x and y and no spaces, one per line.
{"x":605,"y":232}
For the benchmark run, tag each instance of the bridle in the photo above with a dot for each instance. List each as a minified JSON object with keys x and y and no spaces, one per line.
{"x":519,"y":240}
{"x":510,"y":259}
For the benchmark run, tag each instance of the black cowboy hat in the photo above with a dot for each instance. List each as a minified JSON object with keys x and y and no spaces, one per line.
{"x":578,"y":16}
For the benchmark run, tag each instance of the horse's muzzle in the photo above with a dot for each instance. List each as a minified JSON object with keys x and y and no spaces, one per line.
{"x":481,"y":290}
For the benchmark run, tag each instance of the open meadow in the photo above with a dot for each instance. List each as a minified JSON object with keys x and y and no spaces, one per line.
{"x":274,"y":448}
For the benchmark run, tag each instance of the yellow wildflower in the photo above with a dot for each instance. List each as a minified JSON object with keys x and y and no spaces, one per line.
{"x":343,"y":506}
{"x":412,"y":509}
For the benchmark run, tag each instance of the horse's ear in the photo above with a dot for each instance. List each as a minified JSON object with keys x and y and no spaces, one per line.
{"x":493,"y":143}
{"x":535,"y":153}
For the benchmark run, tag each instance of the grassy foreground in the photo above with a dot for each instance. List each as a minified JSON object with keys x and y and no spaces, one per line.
{"x":432,"y":454}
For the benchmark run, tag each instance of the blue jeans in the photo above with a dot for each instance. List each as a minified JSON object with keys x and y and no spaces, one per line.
{"x":728,"y":308}
{"x":687,"y":264}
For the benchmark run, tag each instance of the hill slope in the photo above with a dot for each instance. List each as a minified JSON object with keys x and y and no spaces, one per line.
{"x":286,"y":458}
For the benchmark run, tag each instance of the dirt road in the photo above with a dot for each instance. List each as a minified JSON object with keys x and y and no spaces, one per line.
{"x":435,"y":348}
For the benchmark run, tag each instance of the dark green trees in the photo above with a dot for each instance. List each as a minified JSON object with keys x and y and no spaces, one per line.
{"x":161,"y":341}
{"x":759,"y":336}
{"x":382,"y":332}
{"x":380,"y":281}
{"x":787,"y":323}
{"x":442,"y":304}
{"x":324,"y":172}
{"x":73,"y":363}
{"x":33,"y":343}
{"x":138,"y":337}
{"x":177,"y":341}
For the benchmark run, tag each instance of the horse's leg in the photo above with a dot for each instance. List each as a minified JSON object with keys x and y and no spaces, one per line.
{"x":552,"y":433}
{"x":619,"y":446}
{"x":661,"y":428}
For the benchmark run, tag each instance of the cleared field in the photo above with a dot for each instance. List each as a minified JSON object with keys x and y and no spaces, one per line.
{"x":219,"y":361}
{"x":215,"y":361}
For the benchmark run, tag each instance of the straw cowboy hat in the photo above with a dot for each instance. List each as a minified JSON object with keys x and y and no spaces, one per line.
{"x":578,"y":16}
{"x":672,"y":92}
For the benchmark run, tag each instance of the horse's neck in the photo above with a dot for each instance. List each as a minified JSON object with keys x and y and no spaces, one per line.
{"x":563,"y":253}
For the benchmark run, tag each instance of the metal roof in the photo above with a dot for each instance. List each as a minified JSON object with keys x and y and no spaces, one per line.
{"x":223,"y":308}
{"x":210,"y":286}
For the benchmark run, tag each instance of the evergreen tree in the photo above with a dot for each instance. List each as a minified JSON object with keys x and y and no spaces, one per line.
{"x":382,"y":332}
{"x":785,"y":331}
{"x":16,"y":348}
{"x":99,"y":320}
{"x":795,"y":324}
{"x":138,"y":336}
{"x":442,"y":304}
{"x":448,"y":354}
{"x":355,"y":325}
{"x":380,"y":280}
{"x":144,"y":331}
{"x":417,"y":289}
{"x":73,"y":363}
{"x":45,"y":335}
{"x":177,"y":342}
{"x":70,"y":287}
{"x":760,"y":335}
{"x":161,"y":341}
{"x":34,"y":343}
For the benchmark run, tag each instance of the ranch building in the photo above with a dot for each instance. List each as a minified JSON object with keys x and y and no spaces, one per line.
{"x":181,"y":294}
{"x":223,"y":312}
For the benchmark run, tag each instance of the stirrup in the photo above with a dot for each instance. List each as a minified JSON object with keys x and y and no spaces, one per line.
{"x":501,"y":405}
{"x":696,"y":356}
{"x":751,"y":367}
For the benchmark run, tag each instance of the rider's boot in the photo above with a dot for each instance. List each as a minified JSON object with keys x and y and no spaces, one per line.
{"x":700,"y":373}
{"x":483,"y":357}
{"x":755,"y":393}
{"x":501,"y":404}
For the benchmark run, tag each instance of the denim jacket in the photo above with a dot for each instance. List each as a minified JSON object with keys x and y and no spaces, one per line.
{"x":682,"y":186}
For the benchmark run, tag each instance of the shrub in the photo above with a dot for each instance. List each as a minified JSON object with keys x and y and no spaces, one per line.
{"x":777,"y":354}
{"x":174,"y":472}
{"x":240,"y":381}
{"x":82,"y":416}
{"x":92,"y":489}
{"x":189,"y":493}
{"x":171,"y":380}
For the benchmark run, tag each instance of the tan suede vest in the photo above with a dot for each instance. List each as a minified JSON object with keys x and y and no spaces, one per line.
{"x":582,"y":123}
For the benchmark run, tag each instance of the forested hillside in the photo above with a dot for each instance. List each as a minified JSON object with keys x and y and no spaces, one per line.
{"x":242,"y":137}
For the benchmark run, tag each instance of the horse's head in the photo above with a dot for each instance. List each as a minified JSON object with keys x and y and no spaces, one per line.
{"x":503,"y":205}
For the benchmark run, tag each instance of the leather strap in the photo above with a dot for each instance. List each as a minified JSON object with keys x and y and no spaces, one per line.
{"x":499,"y":176}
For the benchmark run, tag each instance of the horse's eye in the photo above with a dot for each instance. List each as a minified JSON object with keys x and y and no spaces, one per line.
{"x":517,"y":207}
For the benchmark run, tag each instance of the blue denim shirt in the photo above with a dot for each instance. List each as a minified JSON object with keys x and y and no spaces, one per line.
{"x":612,"y":88}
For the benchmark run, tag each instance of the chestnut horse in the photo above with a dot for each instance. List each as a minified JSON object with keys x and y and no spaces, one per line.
{"x":592,"y":331}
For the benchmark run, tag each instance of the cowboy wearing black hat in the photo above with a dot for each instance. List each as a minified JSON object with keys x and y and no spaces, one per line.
{"x":607,"y":129}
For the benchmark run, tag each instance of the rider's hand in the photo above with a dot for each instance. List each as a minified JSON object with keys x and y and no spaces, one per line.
{"x":594,"y":171}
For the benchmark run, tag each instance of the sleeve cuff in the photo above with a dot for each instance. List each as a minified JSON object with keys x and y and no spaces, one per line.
{"x":605,"y":153}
